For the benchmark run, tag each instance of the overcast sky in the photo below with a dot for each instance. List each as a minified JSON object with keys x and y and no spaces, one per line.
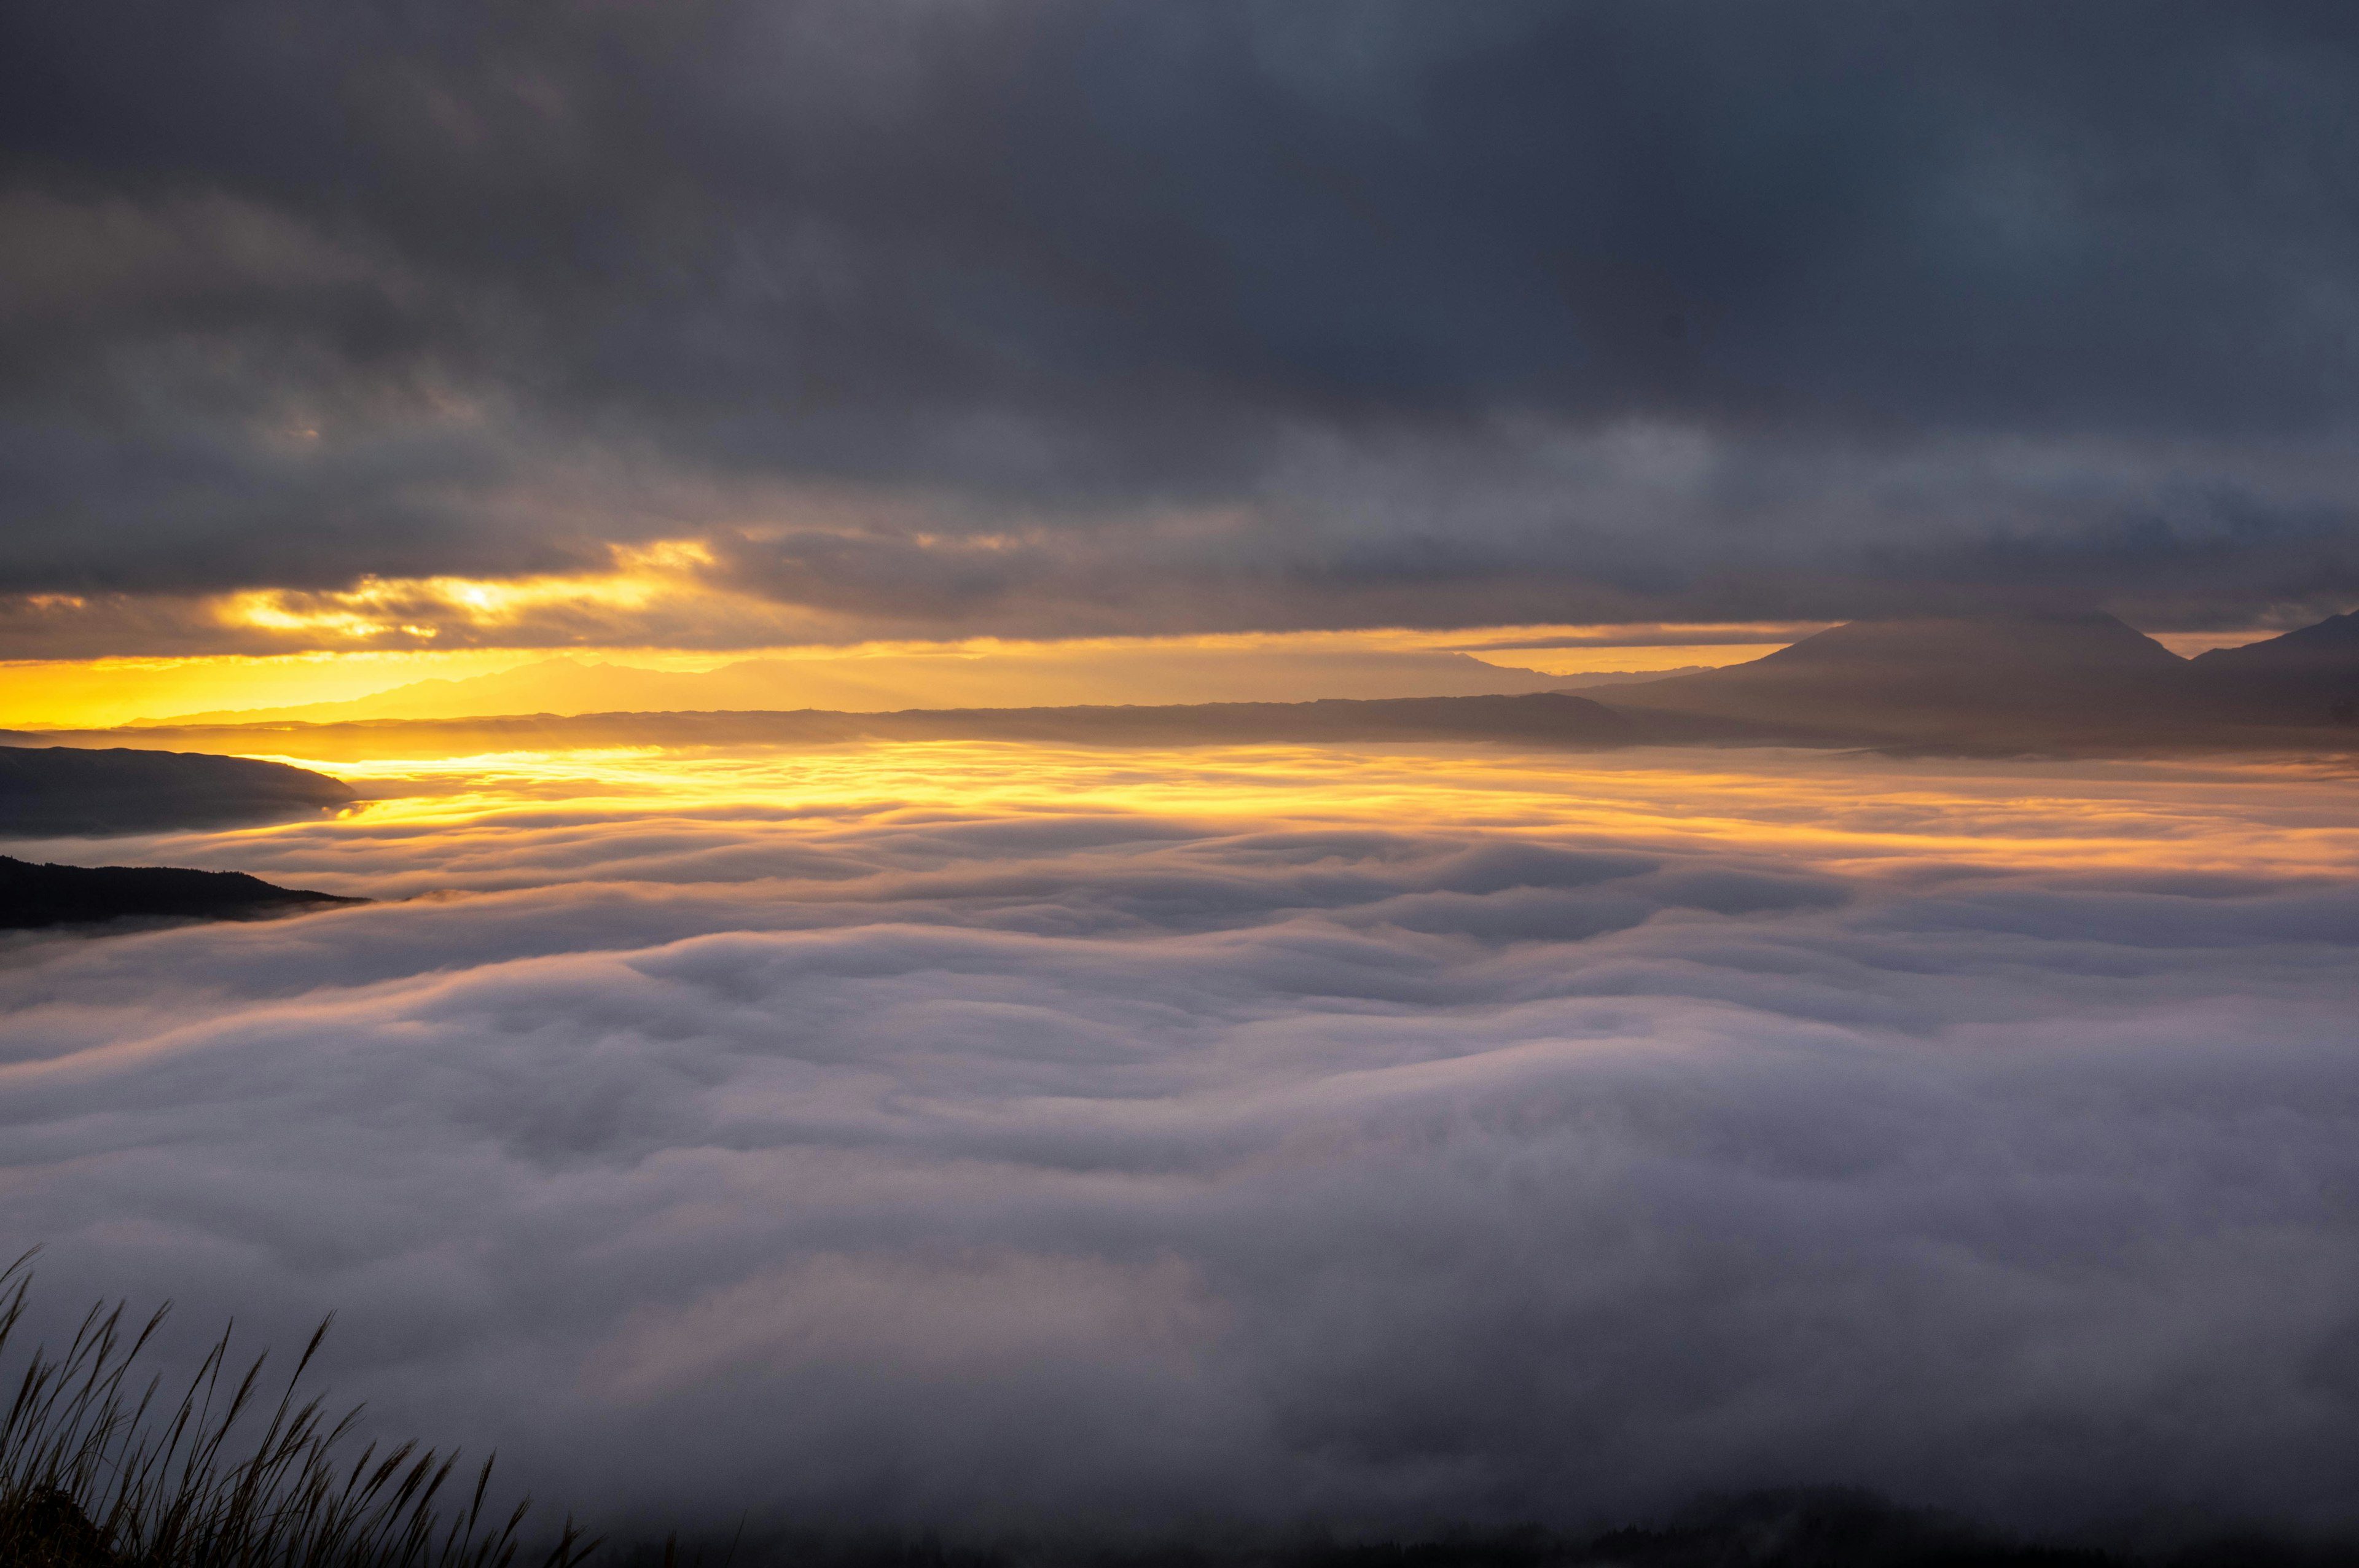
{"x":947,"y":317}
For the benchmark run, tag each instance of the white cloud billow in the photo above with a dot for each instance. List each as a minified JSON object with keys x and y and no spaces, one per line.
{"x":979,"y":1172}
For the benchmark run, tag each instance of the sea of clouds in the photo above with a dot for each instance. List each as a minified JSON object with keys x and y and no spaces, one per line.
{"x":988,"y":1170}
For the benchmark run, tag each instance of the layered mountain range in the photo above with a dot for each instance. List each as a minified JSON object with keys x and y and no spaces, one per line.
{"x":2073,"y":684}
{"x":1548,"y":718}
{"x":881,"y":682}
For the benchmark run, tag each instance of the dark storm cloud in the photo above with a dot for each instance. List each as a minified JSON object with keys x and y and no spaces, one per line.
{"x":1414,"y":298}
{"x":946,"y":1169}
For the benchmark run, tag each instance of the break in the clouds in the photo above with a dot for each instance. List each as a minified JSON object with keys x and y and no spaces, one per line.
{"x":1034,"y":317}
{"x":988,"y":1167}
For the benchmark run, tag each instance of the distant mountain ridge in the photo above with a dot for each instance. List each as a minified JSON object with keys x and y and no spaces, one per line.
{"x":885,"y":683}
{"x":1544,"y":719}
{"x":2027,"y":683}
{"x":1593,"y":679}
{"x":2071,"y":681}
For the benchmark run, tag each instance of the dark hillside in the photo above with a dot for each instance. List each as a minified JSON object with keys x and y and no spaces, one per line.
{"x":36,"y":895}
{"x":56,"y":790}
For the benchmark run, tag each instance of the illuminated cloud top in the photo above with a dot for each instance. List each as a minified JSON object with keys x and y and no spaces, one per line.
{"x":757,"y":323}
{"x":1009,"y":1141}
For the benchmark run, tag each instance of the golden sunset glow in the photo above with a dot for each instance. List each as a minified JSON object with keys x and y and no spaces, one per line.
{"x":2188,"y":644}
{"x":1600,"y":658}
{"x":1850,"y":816}
{"x":419,"y":607}
{"x":98,"y":693}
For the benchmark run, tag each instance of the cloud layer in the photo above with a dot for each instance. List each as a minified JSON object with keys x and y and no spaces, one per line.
{"x":983,"y":1167}
{"x":1037,"y":318}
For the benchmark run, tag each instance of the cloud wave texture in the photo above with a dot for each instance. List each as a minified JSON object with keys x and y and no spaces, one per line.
{"x":983,"y":1169}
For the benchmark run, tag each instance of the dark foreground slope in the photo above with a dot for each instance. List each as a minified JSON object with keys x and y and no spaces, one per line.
{"x":2066,"y":683}
{"x":37,"y":895}
{"x":1543,"y":719}
{"x":59,"y":790}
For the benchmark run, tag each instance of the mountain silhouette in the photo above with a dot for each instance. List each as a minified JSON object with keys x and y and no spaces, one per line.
{"x":2309,"y":676}
{"x":58,"y":791}
{"x":36,"y":895}
{"x":2027,"y":679}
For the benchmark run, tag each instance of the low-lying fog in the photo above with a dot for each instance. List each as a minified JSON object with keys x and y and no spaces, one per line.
{"x":971,"y":1137}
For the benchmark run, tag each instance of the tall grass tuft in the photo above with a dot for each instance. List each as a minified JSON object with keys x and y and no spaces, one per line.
{"x":95,"y":1473}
